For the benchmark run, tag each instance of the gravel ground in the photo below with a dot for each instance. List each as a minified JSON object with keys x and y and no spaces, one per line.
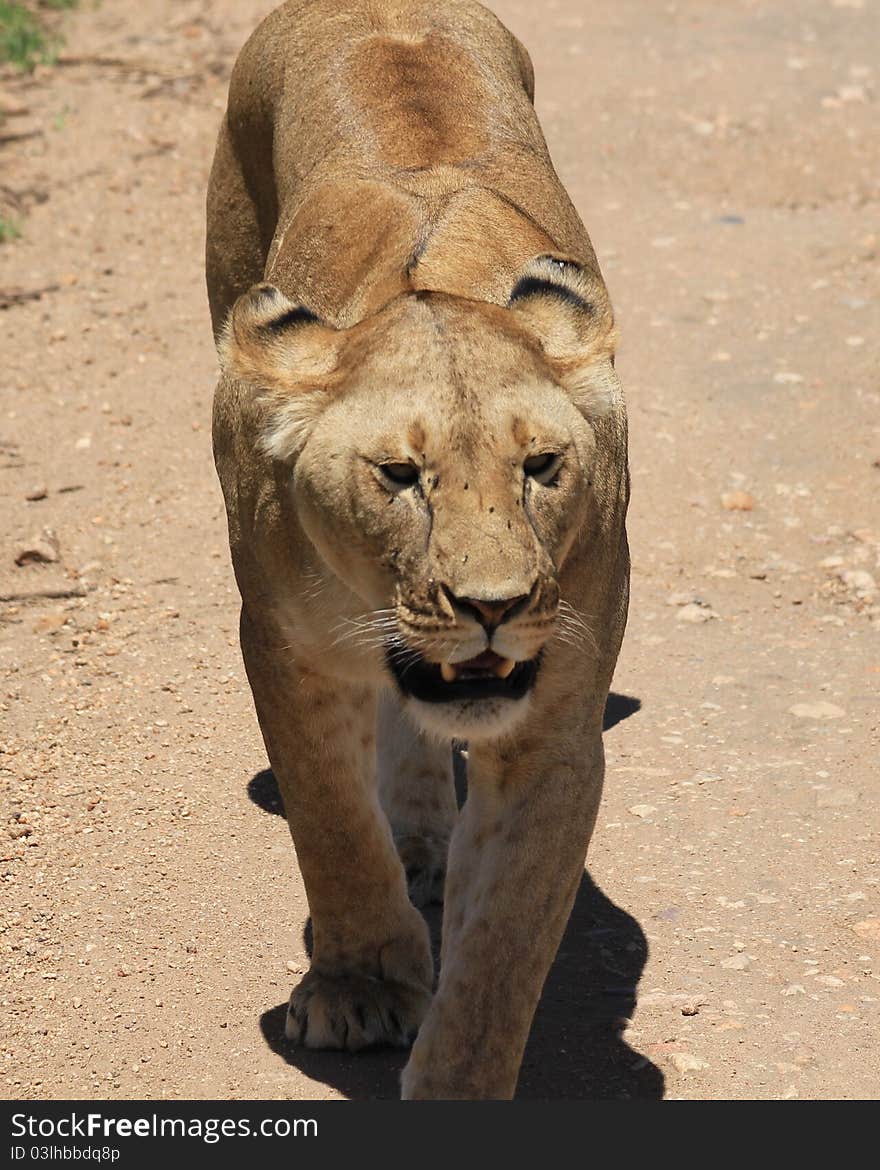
{"x":726,"y":942}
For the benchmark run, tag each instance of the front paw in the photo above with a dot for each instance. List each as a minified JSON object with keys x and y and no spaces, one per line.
{"x":354,"y":1011}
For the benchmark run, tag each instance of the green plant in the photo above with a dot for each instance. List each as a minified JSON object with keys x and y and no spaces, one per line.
{"x":23,"y":41}
{"x":8,"y":230}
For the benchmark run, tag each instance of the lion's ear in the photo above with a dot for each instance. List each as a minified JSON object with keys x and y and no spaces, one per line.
{"x":566,"y":307}
{"x":276,"y":343}
{"x":288,"y":354}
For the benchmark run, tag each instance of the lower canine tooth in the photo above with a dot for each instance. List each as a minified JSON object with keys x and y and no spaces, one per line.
{"x":450,"y":674}
{"x":505,"y":668}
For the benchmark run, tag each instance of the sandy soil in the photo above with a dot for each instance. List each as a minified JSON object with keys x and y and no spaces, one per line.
{"x":727,"y":944}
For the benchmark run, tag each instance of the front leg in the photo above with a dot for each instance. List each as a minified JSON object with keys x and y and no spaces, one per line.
{"x":516,"y":859}
{"x":371,"y":973}
{"x":417,"y":792}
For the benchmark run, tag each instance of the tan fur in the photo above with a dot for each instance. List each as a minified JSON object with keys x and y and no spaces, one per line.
{"x":397,"y":277}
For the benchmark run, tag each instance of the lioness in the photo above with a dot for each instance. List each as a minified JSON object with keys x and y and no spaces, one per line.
{"x":422,"y":447}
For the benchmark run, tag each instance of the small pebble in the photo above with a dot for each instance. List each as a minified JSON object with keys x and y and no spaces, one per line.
{"x":682,"y":599}
{"x":42,"y":549}
{"x":695,"y":613}
{"x":787,"y":378}
{"x":686,"y":1062}
{"x":692,"y":1007}
{"x":736,"y":963}
{"x":642,"y":810}
{"x":836,"y":799}
{"x":50,"y":623}
{"x":859,"y":581}
{"x":738,"y":501}
{"x":869,"y":929}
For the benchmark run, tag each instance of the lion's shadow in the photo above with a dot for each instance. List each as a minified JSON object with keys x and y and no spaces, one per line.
{"x":575,"y":1050}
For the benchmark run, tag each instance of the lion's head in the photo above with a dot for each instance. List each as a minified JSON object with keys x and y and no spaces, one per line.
{"x":441,"y":456}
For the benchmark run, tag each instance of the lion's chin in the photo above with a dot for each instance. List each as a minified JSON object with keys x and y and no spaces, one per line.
{"x":468,"y":720}
{"x":482,"y":698}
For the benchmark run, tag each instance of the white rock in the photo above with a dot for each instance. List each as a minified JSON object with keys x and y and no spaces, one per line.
{"x":42,"y":549}
{"x":859,"y":581}
{"x":695,"y":614}
{"x":686,"y":1062}
{"x":836,"y":798}
{"x":642,"y":810}
{"x":787,"y":378}
{"x":736,"y":963}
{"x":820,"y":710}
{"x":868,"y":930}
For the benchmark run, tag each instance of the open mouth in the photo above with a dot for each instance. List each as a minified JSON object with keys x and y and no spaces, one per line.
{"x":488,"y":676}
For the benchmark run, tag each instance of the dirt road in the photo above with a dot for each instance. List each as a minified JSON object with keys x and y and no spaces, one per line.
{"x":724,"y":158}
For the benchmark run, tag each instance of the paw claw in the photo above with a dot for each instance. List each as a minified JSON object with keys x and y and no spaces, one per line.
{"x":293,"y":1027}
{"x":352,"y":1012}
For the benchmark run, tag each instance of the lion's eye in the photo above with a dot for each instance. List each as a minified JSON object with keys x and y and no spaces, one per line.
{"x":400,"y":474}
{"x":544,"y":468}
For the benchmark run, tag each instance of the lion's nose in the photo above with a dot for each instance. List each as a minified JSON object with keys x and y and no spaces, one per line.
{"x":489,"y":612}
